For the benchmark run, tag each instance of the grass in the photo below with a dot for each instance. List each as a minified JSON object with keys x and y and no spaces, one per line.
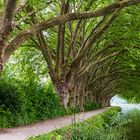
{"x":106,"y":125}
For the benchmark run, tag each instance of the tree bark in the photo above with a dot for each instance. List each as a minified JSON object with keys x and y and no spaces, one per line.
{"x":103,"y":102}
{"x":72,"y":96}
{"x":80,"y":99}
{"x":62,"y":88}
{"x":107,"y":102}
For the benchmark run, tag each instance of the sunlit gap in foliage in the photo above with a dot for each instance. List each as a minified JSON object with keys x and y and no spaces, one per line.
{"x":124,"y":104}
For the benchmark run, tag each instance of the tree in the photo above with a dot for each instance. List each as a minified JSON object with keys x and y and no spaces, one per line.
{"x":65,"y":38}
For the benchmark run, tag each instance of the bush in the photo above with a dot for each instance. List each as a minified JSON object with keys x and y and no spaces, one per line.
{"x":23,"y":104}
{"x":90,"y":106}
{"x":8,"y":97}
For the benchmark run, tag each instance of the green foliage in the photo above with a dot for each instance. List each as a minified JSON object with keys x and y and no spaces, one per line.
{"x":20,"y":104}
{"x":90,"y":106}
{"x":8,"y":96}
{"x":29,"y":69}
{"x":25,"y":95}
{"x":124,"y":34}
{"x":130,"y":86}
{"x":133,"y":126}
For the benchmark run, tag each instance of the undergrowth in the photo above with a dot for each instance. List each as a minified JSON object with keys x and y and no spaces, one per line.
{"x":22,"y":104}
{"x":107,"y":125}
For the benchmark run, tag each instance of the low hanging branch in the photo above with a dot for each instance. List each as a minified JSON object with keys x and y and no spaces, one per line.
{"x":24,"y":35}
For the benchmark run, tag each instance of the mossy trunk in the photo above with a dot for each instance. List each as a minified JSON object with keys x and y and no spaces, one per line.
{"x":80,"y":96}
{"x":107,"y":102}
{"x":62,"y":89}
{"x":98,"y":100}
{"x":2,"y":50}
{"x":72,"y":98}
{"x":103,"y":102}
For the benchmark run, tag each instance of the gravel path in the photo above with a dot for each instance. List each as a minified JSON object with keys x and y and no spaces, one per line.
{"x":22,"y":133}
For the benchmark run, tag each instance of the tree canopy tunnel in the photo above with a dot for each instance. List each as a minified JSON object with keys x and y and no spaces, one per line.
{"x":86,"y":46}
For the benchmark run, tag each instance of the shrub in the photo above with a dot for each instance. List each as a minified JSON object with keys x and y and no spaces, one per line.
{"x":8,"y":97}
{"x":90,"y":106}
{"x":23,"y":104}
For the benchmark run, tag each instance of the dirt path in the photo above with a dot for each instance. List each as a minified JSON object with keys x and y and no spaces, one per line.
{"x":22,"y":133}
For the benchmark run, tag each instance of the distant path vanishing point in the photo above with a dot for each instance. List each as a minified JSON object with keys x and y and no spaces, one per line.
{"x":24,"y":132}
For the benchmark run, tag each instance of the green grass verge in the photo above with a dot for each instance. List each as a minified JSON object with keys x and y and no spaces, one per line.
{"x":100,"y":127}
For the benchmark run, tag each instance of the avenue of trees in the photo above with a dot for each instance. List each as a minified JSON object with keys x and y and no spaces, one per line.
{"x":89,"y":49}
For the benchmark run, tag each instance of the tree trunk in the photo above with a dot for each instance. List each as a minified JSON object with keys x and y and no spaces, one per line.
{"x":80,"y":99}
{"x":98,"y":100}
{"x":2,"y":49}
{"x":1,"y":66}
{"x":72,"y":96}
{"x":103,"y":102}
{"x":107,"y":102}
{"x":62,"y":89}
{"x":80,"y":103}
{"x":90,"y":97}
{"x":72,"y":90}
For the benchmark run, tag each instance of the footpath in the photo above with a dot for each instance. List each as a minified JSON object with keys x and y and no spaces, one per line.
{"x":24,"y":132}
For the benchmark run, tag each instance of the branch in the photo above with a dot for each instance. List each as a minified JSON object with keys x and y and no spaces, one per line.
{"x":84,"y":49}
{"x":92,"y":32}
{"x":7,"y":21}
{"x":85,"y":69}
{"x":47,"y":55}
{"x":21,"y":6}
{"x":60,"y":40}
{"x":73,"y":40}
{"x":30,"y":13}
{"x":24,"y":35}
{"x":95,"y":35}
